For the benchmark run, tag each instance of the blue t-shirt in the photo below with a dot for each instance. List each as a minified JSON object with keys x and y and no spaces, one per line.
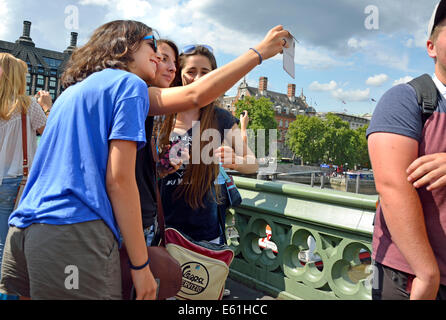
{"x":398,"y":112}
{"x":66,"y":183}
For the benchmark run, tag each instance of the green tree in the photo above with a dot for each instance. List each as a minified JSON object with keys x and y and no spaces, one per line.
{"x":338,"y":141}
{"x":261,"y":116}
{"x":305,"y":138}
{"x":363,"y":158}
{"x":330,"y":140}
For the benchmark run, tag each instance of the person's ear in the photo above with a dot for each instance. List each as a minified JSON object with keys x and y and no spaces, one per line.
{"x":431,"y":49}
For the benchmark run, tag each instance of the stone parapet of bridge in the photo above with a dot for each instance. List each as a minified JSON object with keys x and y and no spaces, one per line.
{"x":298,"y":242}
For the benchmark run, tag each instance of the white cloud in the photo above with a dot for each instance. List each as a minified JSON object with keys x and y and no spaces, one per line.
{"x":94,"y":2}
{"x":351,"y":95}
{"x":5,"y":18}
{"x":316,"y":86}
{"x":392,"y":59}
{"x":316,"y":58}
{"x":357,"y":44}
{"x":133,"y":9}
{"x":377,"y":80}
{"x":402,"y":80}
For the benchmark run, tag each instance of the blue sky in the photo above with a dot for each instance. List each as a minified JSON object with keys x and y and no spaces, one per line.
{"x":349,"y":51}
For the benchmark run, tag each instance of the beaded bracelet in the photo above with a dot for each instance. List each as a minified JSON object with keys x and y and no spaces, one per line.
{"x":258,"y":53}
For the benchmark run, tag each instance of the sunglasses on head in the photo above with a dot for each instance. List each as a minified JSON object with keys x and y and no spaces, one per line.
{"x":192,"y":47}
{"x":153,"y":43}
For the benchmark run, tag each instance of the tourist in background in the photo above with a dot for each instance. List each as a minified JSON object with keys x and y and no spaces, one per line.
{"x":14,"y":102}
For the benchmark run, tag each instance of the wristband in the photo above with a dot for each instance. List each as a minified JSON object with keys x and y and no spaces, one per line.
{"x":258,"y":53}
{"x":139,"y":267}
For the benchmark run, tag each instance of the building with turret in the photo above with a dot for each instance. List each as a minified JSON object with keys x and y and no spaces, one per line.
{"x":286,"y":106}
{"x":45,"y":67}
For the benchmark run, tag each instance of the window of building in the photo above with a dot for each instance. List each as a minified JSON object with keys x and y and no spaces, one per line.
{"x":52,"y":63}
{"x":53,"y":94}
{"x":286,"y":124}
{"x":40,"y":80}
{"x":53,"y":82}
{"x":281,"y":123}
{"x":28,"y":83}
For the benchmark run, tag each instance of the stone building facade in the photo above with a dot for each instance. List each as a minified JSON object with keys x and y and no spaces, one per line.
{"x":45,"y":67}
{"x":286,"y":106}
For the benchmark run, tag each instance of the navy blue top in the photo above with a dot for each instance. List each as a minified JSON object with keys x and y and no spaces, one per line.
{"x":202,"y":223}
{"x":398,"y":112}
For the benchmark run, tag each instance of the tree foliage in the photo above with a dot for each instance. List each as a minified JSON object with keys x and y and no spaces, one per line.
{"x":261,"y":116}
{"x":329,"y":141}
{"x":305,"y":138}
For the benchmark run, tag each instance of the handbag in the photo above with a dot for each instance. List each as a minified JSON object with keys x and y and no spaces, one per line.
{"x":205,"y":266}
{"x":25,"y":163}
{"x":162,"y":265}
{"x":234,"y":197}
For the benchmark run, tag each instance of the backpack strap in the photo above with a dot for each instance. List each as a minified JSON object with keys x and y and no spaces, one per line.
{"x":427,"y":95}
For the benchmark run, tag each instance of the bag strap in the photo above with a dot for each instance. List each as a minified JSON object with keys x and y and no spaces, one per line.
{"x":224,"y":174}
{"x":24,"y":146}
{"x":159,"y":204}
{"x":427,"y":95}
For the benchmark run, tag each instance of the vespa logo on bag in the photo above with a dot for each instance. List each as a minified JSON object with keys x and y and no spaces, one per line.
{"x":195,"y":278}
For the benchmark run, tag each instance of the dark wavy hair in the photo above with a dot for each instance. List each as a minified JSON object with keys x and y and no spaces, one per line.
{"x":110,"y":46}
{"x":177,"y":81}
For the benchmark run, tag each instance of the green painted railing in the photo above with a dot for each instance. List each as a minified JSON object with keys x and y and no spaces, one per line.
{"x":339,"y":222}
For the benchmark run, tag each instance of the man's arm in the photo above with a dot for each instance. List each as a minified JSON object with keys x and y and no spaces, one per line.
{"x":124,"y":197}
{"x":390,"y":155}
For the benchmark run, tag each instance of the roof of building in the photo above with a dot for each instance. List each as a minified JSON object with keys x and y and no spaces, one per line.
{"x":25,"y":49}
{"x":278,"y":99}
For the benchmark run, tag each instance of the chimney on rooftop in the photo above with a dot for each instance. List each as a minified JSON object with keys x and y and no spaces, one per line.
{"x":25,"y":38}
{"x":263,"y":84}
{"x":26,"y":29}
{"x":73,"y":43}
{"x":291,"y":91}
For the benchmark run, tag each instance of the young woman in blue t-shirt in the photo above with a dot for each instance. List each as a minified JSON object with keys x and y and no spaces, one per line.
{"x":82,"y":192}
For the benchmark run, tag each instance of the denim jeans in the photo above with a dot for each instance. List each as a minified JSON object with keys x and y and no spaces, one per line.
{"x":8,"y":193}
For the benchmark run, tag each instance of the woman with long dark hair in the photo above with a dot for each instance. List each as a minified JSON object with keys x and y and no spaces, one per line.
{"x":191,"y":195}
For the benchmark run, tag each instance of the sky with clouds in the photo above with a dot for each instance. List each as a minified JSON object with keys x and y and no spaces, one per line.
{"x":349,"y":51}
